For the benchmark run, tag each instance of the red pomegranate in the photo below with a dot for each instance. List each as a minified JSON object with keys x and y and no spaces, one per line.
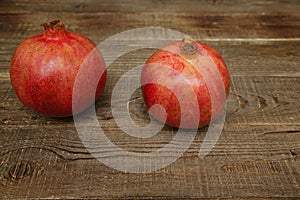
{"x":44,"y":69}
{"x":171,"y":71}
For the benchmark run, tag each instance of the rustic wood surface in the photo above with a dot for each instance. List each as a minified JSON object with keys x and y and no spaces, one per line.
{"x":258,"y":153}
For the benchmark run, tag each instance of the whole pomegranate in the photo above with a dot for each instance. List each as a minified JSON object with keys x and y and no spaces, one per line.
{"x":44,"y":69}
{"x":170,"y":72}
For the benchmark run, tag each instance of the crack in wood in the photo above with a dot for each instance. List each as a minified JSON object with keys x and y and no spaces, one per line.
{"x":242,"y":102}
{"x":262,"y":103}
{"x":277,"y":102}
{"x":281,"y":132}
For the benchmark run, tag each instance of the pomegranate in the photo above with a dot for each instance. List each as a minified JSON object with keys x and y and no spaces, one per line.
{"x":44,"y":69}
{"x":201,"y":69}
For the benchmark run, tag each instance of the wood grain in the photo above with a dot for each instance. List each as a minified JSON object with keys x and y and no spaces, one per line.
{"x":252,"y":100}
{"x":246,"y":150}
{"x":257,"y":154}
{"x":157,"y":6}
{"x":277,"y":59}
{"x":197,"y":25}
{"x":60,"y":166}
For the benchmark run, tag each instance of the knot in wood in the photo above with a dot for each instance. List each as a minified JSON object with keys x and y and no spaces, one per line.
{"x":20,"y":170}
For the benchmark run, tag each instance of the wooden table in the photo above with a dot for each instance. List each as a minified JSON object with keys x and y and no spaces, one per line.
{"x":258,"y":152}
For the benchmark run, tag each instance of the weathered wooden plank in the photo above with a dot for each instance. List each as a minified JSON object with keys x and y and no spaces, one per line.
{"x":157,"y":6}
{"x":238,"y":141}
{"x":238,"y":166}
{"x":99,"y":26}
{"x":256,"y":58}
{"x":252,"y":100}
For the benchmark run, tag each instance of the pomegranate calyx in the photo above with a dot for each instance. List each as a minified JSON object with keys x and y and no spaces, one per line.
{"x":55,"y":29}
{"x":188,"y":48}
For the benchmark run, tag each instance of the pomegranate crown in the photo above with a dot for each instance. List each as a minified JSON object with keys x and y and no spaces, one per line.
{"x":55,"y":29}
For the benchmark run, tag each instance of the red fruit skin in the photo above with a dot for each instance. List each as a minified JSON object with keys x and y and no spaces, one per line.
{"x":44,"y":68}
{"x":172,"y":56}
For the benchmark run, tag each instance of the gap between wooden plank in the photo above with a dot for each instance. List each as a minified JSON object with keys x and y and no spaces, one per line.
{"x":251,"y":39}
